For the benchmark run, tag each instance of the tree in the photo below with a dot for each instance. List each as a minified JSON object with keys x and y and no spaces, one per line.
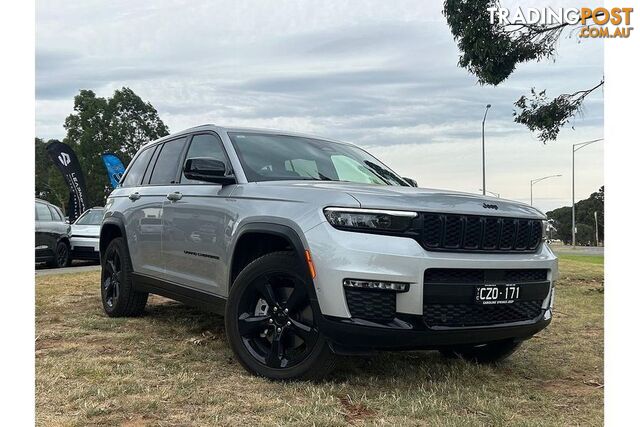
{"x":585,"y":219}
{"x":120,"y":124}
{"x":49,"y":182}
{"x":491,"y":51}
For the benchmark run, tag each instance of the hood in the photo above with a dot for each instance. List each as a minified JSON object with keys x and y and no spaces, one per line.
{"x":422,"y":199}
{"x":85,"y":230}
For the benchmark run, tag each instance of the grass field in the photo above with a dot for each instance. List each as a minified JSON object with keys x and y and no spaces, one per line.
{"x":173,"y":367}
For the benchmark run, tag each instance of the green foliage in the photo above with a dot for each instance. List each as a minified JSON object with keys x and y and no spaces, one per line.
{"x":49,"y":182}
{"x":585,"y":220}
{"x":547,"y":117}
{"x":492,"y":51}
{"x":120,"y":124}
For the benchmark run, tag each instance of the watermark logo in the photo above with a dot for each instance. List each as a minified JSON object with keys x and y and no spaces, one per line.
{"x":599,"y":22}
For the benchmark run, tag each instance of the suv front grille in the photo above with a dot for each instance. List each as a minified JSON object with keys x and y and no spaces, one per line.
{"x":449,"y":232}
{"x":461,"y":315}
{"x":376,"y":306}
{"x":479,"y":276}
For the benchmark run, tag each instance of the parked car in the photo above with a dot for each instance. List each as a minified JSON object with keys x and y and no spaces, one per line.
{"x":85,"y":235}
{"x":52,"y":235}
{"x":313,"y":248}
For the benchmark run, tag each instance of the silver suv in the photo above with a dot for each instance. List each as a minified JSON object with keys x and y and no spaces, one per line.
{"x":313,"y":248}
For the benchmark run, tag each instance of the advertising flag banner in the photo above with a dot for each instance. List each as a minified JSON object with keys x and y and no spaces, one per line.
{"x":67,"y":162}
{"x":115,"y":168}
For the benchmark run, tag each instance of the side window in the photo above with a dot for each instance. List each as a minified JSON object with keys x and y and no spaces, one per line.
{"x":43,"y":212}
{"x":166,"y":167}
{"x":55,"y":214}
{"x":137,"y":168}
{"x":205,"y":145}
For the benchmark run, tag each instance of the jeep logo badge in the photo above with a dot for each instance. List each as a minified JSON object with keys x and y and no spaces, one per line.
{"x":488,"y":206}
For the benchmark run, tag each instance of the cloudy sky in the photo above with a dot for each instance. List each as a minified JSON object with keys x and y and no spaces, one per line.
{"x":380,"y":74}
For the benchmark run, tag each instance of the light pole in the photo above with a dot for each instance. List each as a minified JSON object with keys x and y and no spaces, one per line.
{"x":537,"y":180}
{"x":575,"y":148}
{"x":491,"y":192}
{"x":484,"y":181}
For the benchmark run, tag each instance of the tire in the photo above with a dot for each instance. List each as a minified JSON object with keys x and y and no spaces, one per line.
{"x":62,"y":256}
{"x":270,"y":322}
{"x":119,"y":299}
{"x":486,"y":353}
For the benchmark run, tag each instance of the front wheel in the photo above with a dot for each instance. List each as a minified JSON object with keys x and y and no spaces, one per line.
{"x":270,"y":322}
{"x":486,"y":353}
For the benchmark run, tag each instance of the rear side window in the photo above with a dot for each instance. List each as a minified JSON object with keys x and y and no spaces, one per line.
{"x":56,"y":214}
{"x":137,"y":168}
{"x":43,"y":213}
{"x":166,"y":167}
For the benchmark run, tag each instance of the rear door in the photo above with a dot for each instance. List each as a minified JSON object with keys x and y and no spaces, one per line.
{"x":146,"y":186}
{"x":195,"y":219}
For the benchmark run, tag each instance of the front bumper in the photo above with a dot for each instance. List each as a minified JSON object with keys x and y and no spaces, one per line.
{"x":340,"y":255}
{"x":85,"y":248}
{"x":409,"y":333}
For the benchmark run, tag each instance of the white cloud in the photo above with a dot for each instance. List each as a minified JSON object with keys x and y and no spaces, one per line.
{"x":379,"y":74}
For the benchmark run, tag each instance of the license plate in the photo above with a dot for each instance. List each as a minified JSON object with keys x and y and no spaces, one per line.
{"x":497,"y":294}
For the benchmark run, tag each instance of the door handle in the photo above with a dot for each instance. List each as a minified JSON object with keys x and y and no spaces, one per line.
{"x":134,"y":196}
{"x":174,"y":197}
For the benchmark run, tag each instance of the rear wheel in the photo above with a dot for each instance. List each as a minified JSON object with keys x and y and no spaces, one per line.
{"x":485,"y":353}
{"x":118,"y":296}
{"x":270,"y":322}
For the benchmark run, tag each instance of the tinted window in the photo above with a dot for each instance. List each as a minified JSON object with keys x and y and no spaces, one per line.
{"x":207,"y":145}
{"x":57,"y":216}
{"x":166,"y":167}
{"x":137,"y":168}
{"x":43,"y":213}
{"x":270,"y":157}
{"x":91,"y":217}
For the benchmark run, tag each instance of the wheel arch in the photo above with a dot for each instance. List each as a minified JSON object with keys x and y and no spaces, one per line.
{"x":261,"y":238}
{"x":111,"y":228}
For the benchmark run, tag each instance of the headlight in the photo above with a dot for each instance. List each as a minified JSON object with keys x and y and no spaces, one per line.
{"x":369,"y":219}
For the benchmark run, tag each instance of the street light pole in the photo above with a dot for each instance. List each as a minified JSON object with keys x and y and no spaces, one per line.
{"x":484,"y":181}
{"x":537,"y":180}
{"x":573,"y":186}
{"x":491,"y":192}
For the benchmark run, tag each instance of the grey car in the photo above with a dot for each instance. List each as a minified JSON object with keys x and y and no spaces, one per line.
{"x":313,"y":248}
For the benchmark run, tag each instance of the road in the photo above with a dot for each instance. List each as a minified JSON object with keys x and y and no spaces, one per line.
{"x":578,"y":250}
{"x":79,"y":267}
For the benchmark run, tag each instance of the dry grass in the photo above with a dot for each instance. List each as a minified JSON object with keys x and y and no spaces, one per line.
{"x":173,"y":367}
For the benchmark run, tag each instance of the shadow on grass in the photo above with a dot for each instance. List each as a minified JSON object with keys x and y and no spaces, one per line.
{"x":405,"y":366}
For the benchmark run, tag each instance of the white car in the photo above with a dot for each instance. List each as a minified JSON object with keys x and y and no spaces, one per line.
{"x":85,"y":235}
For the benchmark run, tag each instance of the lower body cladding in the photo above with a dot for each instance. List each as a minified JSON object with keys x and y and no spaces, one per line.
{"x":382,"y":292}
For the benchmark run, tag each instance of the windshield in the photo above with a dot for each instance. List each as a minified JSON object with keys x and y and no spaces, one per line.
{"x":91,"y":217}
{"x":269,"y":157}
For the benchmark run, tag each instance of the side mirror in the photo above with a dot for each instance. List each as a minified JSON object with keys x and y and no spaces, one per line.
{"x":207,"y":169}
{"x":411,"y":182}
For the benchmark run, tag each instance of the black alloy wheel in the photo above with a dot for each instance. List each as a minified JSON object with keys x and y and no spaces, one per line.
{"x":275,"y":321}
{"x":119,"y":298}
{"x":271,"y":323}
{"x":62,"y":255}
{"x":111,"y":279}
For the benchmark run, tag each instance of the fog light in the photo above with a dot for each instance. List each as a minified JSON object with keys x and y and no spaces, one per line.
{"x":375,"y":285}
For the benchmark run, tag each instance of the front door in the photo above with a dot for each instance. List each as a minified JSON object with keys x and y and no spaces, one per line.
{"x":195,"y":217}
